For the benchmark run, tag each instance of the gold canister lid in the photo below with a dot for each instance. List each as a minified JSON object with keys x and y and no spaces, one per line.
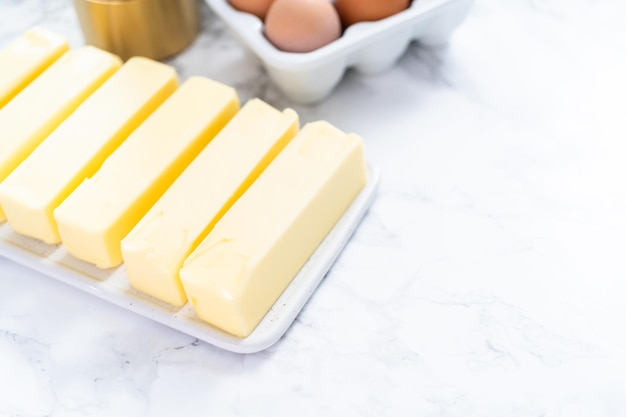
{"x":154,"y":29}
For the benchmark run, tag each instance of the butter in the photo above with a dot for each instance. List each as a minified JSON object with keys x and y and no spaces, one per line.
{"x":34,"y":113}
{"x":155,"y":249}
{"x":94,"y":219}
{"x":78,"y":147}
{"x":22,"y":60}
{"x":240,"y":269}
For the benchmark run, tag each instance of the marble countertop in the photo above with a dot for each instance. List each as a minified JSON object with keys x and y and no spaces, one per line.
{"x":488,"y":279}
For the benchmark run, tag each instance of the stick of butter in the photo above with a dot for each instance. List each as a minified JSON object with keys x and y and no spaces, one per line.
{"x":155,"y":249}
{"x":236,"y":274}
{"x":35,"y":112}
{"x":22,"y":60}
{"x":99,"y":125}
{"x":95,"y":218}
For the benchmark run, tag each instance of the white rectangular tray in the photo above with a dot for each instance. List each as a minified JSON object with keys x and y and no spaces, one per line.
{"x":112,"y":285}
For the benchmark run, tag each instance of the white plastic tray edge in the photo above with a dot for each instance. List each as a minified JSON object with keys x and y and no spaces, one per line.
{"x":113,"y":286}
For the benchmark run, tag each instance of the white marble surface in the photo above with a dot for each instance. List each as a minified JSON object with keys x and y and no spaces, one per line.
{"x":488,"y":280}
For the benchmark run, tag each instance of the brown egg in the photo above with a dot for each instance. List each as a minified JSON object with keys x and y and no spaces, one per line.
{"x":302,"y":25}
{"x":256,"y":7}
{"x":353,"y":11}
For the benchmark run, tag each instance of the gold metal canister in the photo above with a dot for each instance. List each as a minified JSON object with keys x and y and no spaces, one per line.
{"x":154,"y":29}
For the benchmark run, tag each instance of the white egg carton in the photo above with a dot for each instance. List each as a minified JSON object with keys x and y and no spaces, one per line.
{"x":112,"y":285}
{"x":368,"y":47}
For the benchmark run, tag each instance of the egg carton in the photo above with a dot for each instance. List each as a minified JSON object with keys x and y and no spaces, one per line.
{"x":369,"y":47}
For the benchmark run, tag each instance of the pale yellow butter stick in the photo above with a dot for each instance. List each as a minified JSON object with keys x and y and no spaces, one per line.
{"x":22,"y":60}
{"x":36,"y":111}
{"x":237,"y":273}
{"x":155,"y":249}
{"x":77,"y":148}
{"x":95,"y":218}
